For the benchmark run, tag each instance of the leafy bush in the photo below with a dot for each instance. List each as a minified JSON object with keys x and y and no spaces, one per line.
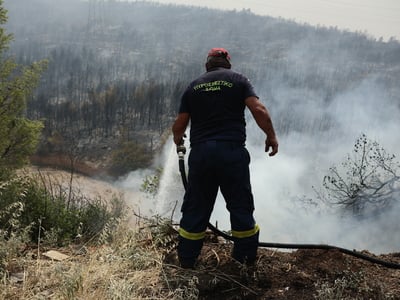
{"x":12,"y":234}
{"x":151,"y":183}
{"x":51,"y":212}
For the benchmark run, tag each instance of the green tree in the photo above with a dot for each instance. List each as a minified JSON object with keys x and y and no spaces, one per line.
{"x":18,"y":135}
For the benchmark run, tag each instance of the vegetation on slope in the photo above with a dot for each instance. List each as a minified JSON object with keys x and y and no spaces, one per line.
{"x":141,"y":263}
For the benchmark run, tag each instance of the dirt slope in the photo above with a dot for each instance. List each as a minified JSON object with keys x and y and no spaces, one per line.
{"x":142,"y":270}
{"x":301,"y":274}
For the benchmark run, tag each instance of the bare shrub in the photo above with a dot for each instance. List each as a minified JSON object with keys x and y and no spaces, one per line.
{"x":367,"y":181}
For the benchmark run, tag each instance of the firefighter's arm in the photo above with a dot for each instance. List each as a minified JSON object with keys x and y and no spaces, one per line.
{"x":263,"y":120}
{"x":179,"y":127}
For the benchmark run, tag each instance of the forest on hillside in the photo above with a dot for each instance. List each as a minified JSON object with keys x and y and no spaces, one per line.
{"x":116,"y":70}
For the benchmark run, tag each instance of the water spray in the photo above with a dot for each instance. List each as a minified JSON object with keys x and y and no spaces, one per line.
{"x":181,"y":151}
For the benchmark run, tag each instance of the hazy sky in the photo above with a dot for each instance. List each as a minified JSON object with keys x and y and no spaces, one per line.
{"x":379,"y":18}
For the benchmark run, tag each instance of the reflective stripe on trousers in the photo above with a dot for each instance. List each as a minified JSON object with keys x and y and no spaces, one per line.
{"x":194,"y":236}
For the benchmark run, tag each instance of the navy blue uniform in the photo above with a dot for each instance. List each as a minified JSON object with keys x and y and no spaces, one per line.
{"x":215,"y":102}
{"x":218,"y":160}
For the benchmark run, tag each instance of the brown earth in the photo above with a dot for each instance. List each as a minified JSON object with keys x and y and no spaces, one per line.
{"x":63,"y":162}
{"x":301,"y":274}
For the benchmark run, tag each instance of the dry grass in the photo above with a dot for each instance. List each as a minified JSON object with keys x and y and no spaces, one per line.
{"x":129,"y":268}
{"x":140,"y":263}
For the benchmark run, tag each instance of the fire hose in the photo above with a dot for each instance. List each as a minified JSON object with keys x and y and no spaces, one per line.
{"x":181,"y":150}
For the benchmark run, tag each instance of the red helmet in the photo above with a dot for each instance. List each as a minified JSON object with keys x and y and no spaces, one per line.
{"x":219,"y":52}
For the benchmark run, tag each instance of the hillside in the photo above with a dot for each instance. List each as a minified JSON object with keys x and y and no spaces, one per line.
{"x":117,"y":69}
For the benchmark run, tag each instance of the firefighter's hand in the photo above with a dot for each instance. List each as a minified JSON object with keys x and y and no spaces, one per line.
{"x":180,"y":145}
{"x":179,"y":139}
{"x":271,"y":142}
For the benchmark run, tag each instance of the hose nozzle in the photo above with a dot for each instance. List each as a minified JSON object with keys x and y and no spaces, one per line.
{"x":181,"y":150}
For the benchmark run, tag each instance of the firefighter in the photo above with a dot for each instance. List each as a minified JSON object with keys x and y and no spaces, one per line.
{"x":214,"y":104}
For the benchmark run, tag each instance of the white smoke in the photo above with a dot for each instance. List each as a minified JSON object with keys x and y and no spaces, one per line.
{"x":305,"y":155}
{"x":304,"y":158}
{"x":139,"y":203}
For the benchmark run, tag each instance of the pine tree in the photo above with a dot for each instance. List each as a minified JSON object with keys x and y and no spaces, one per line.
{"x":18,"y":135}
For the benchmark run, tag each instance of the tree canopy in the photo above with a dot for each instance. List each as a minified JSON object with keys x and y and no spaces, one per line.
{"x":18,"y":135}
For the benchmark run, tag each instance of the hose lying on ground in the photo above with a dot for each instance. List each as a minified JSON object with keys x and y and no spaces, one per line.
{"x":289,"y":246}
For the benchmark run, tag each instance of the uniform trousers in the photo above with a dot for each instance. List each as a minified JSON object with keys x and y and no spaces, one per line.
{"x":215,"y":165}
